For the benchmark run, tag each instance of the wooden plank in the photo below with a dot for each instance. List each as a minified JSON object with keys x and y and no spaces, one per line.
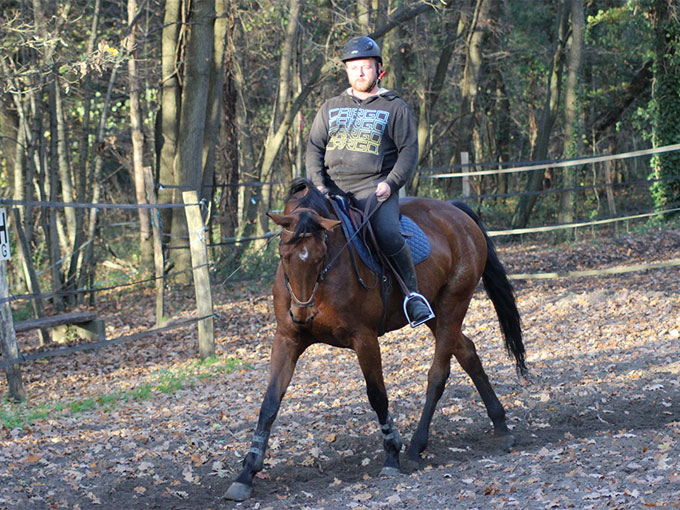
{"x":55,"y":320}
{"x":199,"y":261}
{"x":90,"y":330}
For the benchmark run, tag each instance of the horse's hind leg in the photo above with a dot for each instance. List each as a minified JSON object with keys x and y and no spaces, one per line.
{"x":370,"y":361}
{"x":466,"y":354}
{"x":436,"y":382}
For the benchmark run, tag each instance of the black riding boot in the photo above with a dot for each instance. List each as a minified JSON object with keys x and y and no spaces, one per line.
{"x":416,"y":307}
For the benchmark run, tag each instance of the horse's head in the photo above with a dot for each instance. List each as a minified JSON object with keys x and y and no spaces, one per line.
{"x":303,"y":249}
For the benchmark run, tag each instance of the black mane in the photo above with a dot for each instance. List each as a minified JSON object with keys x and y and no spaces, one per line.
{"x":314,"y":200}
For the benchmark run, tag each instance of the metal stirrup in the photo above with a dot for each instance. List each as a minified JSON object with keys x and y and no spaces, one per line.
{"x":423,"y":299}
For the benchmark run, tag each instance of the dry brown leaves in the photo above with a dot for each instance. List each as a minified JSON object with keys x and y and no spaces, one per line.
{"x":599,"y":425}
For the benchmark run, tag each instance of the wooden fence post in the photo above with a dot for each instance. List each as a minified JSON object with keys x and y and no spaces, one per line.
{"x":610,"y":193}
{"x":8,"y":340}
{"x":159,"y":263}
{"x":464,"y":160}
{"x":199,"y":261}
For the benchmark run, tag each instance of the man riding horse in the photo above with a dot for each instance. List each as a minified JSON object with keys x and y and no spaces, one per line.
{"x":364,"y":142}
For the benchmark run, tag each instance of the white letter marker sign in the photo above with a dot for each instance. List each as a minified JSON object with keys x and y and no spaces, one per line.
{"x":4,"y":236}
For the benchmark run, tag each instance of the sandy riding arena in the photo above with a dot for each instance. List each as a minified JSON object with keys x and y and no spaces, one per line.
{"x":144,"y":425}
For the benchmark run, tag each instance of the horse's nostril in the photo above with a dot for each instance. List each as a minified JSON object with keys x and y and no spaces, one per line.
{"x":300,"y":323}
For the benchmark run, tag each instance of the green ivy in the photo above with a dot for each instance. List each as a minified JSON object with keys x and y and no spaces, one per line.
{"x":666,"y":112}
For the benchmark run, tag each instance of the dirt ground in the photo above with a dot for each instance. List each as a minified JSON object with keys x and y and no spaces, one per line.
{"x":598,"y":427}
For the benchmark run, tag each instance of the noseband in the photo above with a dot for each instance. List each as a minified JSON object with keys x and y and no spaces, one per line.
{"x":293,"y":297}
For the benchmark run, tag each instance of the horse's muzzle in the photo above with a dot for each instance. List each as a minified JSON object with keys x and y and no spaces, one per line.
{"x":304,"y":317}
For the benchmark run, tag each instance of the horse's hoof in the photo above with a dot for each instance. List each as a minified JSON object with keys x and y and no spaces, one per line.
{"x":411,"y":459}
{"x":388,"y":471}
{"x":238,"y":491}
{"x":505,"y":442}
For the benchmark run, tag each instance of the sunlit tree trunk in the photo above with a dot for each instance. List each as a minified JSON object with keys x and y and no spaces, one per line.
{"x":169,"y":112}
{"x":468,"y":136}
{"x":65,"y":173}
{"x":363,"y":8}
{"x":145,"y":246}
{"x":192,"y":123}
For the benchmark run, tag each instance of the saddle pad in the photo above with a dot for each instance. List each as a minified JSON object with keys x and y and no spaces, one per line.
{"x":415,"y":238}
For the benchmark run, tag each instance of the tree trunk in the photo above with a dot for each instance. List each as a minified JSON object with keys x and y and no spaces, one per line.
{"x":228,"y":154}
{"x":51,"y":186}
{"x":88,"y":262}
{"x":83,"y":187}
{"x":276,"y":136}
{"x":192,"y":123}
{"x":468,"y":139}
{"x":550,"y":111}
{"x":169,"y":113}
{"x":364,"y":16}
{"x":65,"y":174}
{"x":247,"y":161}
{"x":215,"y":95}
{"x":666,"y":102}
{"x":145,"y":241}
{"x":572,"y":115}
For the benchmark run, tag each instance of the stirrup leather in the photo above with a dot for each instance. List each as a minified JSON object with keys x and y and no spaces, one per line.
{"x":423,"y":299}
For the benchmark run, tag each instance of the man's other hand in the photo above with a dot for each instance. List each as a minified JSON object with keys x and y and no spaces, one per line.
{"x":383,"y":191}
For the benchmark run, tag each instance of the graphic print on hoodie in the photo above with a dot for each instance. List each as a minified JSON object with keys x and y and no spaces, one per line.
{"x":356,"y":129}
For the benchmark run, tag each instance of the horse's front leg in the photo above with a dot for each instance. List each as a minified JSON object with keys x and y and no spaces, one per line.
{"x":368,"y":353}
{"x":284,"y":356}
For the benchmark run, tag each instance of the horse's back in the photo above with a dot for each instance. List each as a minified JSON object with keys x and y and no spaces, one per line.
{"x":440,"y":219}
{"x":458,"y":245}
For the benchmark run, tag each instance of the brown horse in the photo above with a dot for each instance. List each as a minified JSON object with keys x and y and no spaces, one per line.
{"x":318,"y":298}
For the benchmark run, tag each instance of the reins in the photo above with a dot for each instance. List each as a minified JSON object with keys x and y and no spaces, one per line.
{"x":367,"y":216}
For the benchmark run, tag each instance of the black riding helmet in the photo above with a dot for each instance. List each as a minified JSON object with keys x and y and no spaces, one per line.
{"x":361,"y":47}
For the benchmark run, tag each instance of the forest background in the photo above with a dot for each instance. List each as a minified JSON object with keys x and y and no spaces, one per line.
{"x":217,"y":96}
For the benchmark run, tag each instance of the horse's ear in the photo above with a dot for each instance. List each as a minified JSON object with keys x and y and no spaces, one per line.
{"x":328,"y":224}
{"x":281,"y":220}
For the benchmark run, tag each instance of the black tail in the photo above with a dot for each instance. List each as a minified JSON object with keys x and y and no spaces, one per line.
{"x":502,"y":295}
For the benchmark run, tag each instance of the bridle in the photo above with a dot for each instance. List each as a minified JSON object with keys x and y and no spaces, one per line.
{"x":309,"y":302}
{"x":322,"y":274}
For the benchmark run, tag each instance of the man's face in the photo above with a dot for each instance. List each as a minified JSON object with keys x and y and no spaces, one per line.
{"x":362,"y":74}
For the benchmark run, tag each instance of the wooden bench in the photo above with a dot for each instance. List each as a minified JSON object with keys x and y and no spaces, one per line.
{"x":67,"y":326}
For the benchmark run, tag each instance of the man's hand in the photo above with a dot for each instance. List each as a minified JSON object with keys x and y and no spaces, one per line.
{"x":383,"y":191}
{"x":323,"y":189}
